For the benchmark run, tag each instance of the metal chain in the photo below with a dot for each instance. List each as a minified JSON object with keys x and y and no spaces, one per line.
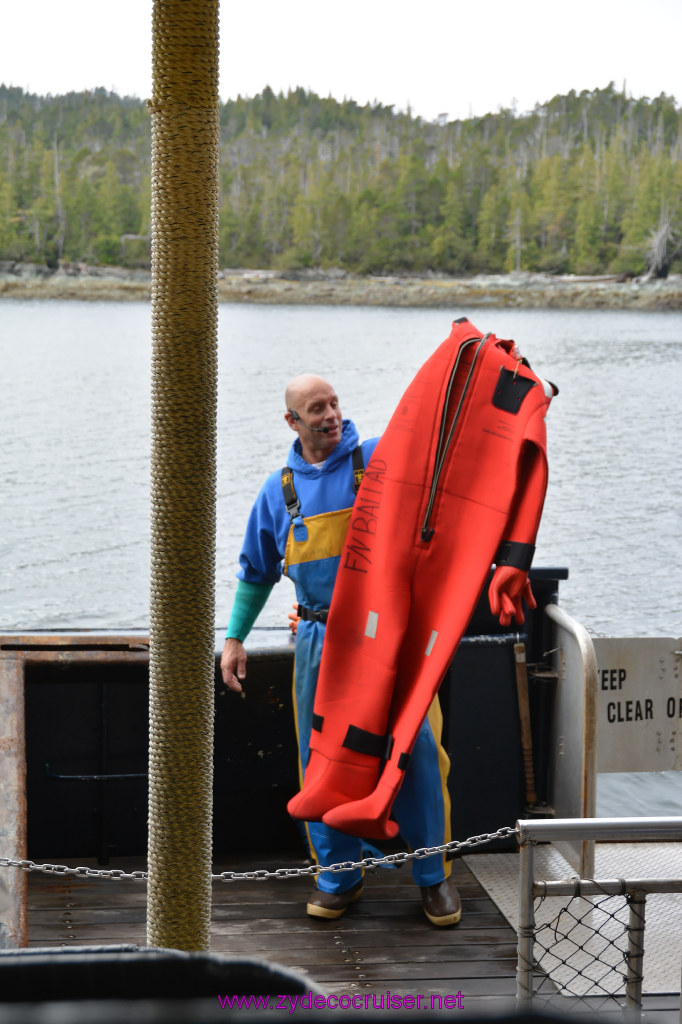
{"x":62,"y":869}
{"x":262,"y":875}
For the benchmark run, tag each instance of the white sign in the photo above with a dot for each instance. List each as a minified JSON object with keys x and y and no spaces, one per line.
{"x":639,"y":702}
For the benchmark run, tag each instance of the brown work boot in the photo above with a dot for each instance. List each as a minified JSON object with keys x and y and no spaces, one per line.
{"x":441,"y":903}
{"x":332,"y":904}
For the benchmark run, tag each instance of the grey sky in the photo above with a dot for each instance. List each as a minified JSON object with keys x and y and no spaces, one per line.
{"x":440,"y":56}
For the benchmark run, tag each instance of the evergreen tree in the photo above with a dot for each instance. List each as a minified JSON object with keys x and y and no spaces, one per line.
{"x":584,"y":183}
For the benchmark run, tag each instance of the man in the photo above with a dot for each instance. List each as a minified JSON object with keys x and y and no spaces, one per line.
{"x":297,"y":526}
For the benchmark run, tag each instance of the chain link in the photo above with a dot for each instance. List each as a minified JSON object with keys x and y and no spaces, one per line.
{"x":262,"y":875}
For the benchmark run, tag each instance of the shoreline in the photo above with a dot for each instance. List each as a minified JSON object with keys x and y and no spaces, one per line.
{"x":271,"y":287}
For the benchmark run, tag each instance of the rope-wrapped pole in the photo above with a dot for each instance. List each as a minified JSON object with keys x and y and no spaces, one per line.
{"x":185,"y":182}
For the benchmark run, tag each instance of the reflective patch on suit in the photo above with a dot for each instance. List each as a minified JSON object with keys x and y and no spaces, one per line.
{"x":432,"y":640}
{"x":372,"y":622}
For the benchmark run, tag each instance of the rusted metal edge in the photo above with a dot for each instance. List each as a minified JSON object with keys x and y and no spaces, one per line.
{"x":79,"y":640}
{"x":13,"y":815}
{"x":71,"y":657}
{"x":76,"y":646}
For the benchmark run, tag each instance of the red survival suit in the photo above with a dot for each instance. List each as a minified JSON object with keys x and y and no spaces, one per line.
{"x":455,"y":484}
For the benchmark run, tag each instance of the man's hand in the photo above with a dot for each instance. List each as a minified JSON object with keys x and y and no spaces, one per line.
{"x":294,"y":619}
{"x":233,"y":664}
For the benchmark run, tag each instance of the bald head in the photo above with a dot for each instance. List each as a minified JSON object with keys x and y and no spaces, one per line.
{"x":301,"y":386}
{"x":313,"y":412}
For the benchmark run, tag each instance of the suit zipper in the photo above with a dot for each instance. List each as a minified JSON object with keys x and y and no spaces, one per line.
{"x":444,"y":442}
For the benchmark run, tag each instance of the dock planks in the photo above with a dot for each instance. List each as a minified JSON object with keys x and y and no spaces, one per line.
{"x":382,"y":944}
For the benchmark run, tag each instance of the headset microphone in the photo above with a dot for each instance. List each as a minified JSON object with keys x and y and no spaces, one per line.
{"x":318,"y":430}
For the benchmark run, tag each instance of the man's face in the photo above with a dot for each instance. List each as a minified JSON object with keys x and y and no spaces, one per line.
{"x":321,"y":409}
{"x":318,"y":406}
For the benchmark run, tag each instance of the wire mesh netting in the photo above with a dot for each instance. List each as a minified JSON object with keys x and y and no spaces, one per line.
{"x":585,"y":950}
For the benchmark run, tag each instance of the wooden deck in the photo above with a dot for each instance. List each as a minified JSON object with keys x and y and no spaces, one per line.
{"x":383,"y":942}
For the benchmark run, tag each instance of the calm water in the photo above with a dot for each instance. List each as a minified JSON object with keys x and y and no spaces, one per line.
{"x":74,"y":458}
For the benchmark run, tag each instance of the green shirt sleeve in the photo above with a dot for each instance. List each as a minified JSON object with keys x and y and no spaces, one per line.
{"x":249,"y":601}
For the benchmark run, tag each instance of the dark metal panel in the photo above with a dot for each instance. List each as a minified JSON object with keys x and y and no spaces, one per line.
{"x":87,"y":728}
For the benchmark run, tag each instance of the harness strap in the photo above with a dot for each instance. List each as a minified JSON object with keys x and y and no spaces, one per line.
{"x":310,"y":615}
{"x":358,"y":468}
{"x":291,"y":501}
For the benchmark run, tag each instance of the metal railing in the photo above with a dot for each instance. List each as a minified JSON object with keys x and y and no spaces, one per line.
{"x":590,"y":937}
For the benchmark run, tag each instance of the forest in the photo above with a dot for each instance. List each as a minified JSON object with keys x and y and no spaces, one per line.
{"x":586,"y":183}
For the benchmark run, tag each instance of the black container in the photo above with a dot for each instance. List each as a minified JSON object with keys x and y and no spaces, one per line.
{"x":87,"y":735}
{"x":482,"y":730}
